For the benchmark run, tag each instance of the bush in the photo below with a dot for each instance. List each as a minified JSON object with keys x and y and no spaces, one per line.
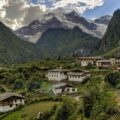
{"x":113,"y":79}
{"x":18,"y":84}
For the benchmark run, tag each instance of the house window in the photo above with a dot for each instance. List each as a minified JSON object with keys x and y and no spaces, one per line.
{"x":11,"y":105}
{"x":73,"y":89}
{"x":68,"y":89}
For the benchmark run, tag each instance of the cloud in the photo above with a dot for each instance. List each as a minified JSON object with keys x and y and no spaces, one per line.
{"x":17,"y":13}
{"x":77,"y":5}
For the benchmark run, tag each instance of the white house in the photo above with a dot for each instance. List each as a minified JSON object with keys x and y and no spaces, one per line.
{"x":104,"y":63}
{"x":78,"y":76}
{"x":117,"y":60}
{"x":85,"y":61}
{"x":64,"y":89}
{"x":57,"y":75}
{"x":10,"y":101}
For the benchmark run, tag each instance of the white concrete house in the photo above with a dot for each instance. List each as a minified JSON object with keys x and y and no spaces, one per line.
{"x":64,"y":89}
{"x":57,"y":75}
{"x":85,"y":61}
{"x":10,"y":101}
{"x":78,"y":76}
{"x":117,"y":60}
{"x":104,"y":63}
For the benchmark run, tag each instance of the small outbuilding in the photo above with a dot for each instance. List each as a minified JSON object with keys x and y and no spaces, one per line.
{"x":10,"y":101}
{"x":64,"y":89}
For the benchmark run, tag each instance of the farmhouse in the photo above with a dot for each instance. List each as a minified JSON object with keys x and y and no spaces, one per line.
{"x":103,"y":63}
{"x":57,"y":75}
{"x":117,"y":60}
{"x":10,"y":101}
{"x":64,"y":89}
{"x":77,"y":76}
{"x":113,"y":61}
{"x":85,"y":61}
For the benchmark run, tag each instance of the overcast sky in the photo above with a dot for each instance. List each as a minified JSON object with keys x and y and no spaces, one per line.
{"x":17,"y":13}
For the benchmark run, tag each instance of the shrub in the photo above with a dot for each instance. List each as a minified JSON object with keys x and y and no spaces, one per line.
{"x":113,"y":79}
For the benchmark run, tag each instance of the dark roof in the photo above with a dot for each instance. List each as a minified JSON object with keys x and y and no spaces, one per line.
{"x":7,"y":95}
{"x":59,"y":70}
{"x":91,"y":58}
{"x":63,"y":86}
{"x":117,"y":57}
{"x":78,"y":73}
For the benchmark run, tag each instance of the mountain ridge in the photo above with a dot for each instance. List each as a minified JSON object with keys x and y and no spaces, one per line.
{"x":58,"y":19}
{"x":66,"y":42}
{"x":111,"y":39}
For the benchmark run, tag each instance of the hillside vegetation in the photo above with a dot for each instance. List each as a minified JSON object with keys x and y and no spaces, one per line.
{"x":13,"y":49}
{"x":66,"y":42}
{"x":97,"y":95}
{"x":111,"y":39}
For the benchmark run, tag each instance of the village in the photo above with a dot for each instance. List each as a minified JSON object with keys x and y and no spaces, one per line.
{"x":63,"y":79}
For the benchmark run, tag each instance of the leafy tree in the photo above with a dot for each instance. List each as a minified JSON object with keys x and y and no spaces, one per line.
{"x":65,"y":111}
{"x":113,"y":79}
{"x":18,"y":84}
{"x":34,"y":83}
{"x":99,"y":105}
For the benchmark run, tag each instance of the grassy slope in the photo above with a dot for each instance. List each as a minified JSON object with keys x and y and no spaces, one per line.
{"x":30,"y":111}
{"x":113,"y":52}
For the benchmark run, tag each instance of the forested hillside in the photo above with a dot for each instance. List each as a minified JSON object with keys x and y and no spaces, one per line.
{"x":67,"y":42}
{"x":13,"y":49}
{"x":111,"y":39}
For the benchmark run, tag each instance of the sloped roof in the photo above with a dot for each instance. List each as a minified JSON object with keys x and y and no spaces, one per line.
{"x":78,"y":73}
{"x":59,"y":70}
{"x":7,"y":95}
{"x":62,"y":86}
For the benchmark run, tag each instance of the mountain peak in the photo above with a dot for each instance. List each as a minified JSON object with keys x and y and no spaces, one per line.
{"x":35,"y":22}
{"x":104,"y":19}
{"x":73,"y":13}
{"x":117,"y":13}
{"x":60,"y":19}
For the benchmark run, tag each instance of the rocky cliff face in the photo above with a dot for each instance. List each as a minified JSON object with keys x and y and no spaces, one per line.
{"x":111,"y":38}
{"x":104,"y":20}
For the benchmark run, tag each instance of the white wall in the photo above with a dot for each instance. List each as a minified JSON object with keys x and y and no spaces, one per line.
{"x":56,"y":76}
{"x":57,"y":91}
{"x":7,"y":108}
{"x":16,"y":103}
{"x":76,"y":78}
{"x":85,"y":63}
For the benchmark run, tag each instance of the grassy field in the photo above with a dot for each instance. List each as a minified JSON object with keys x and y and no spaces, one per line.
{"x":30,"y":111}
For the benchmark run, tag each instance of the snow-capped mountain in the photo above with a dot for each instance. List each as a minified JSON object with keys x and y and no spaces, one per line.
{"x":60,"y":19}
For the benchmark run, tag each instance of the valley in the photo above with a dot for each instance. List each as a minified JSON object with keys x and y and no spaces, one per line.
{"x":60,"y":65}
